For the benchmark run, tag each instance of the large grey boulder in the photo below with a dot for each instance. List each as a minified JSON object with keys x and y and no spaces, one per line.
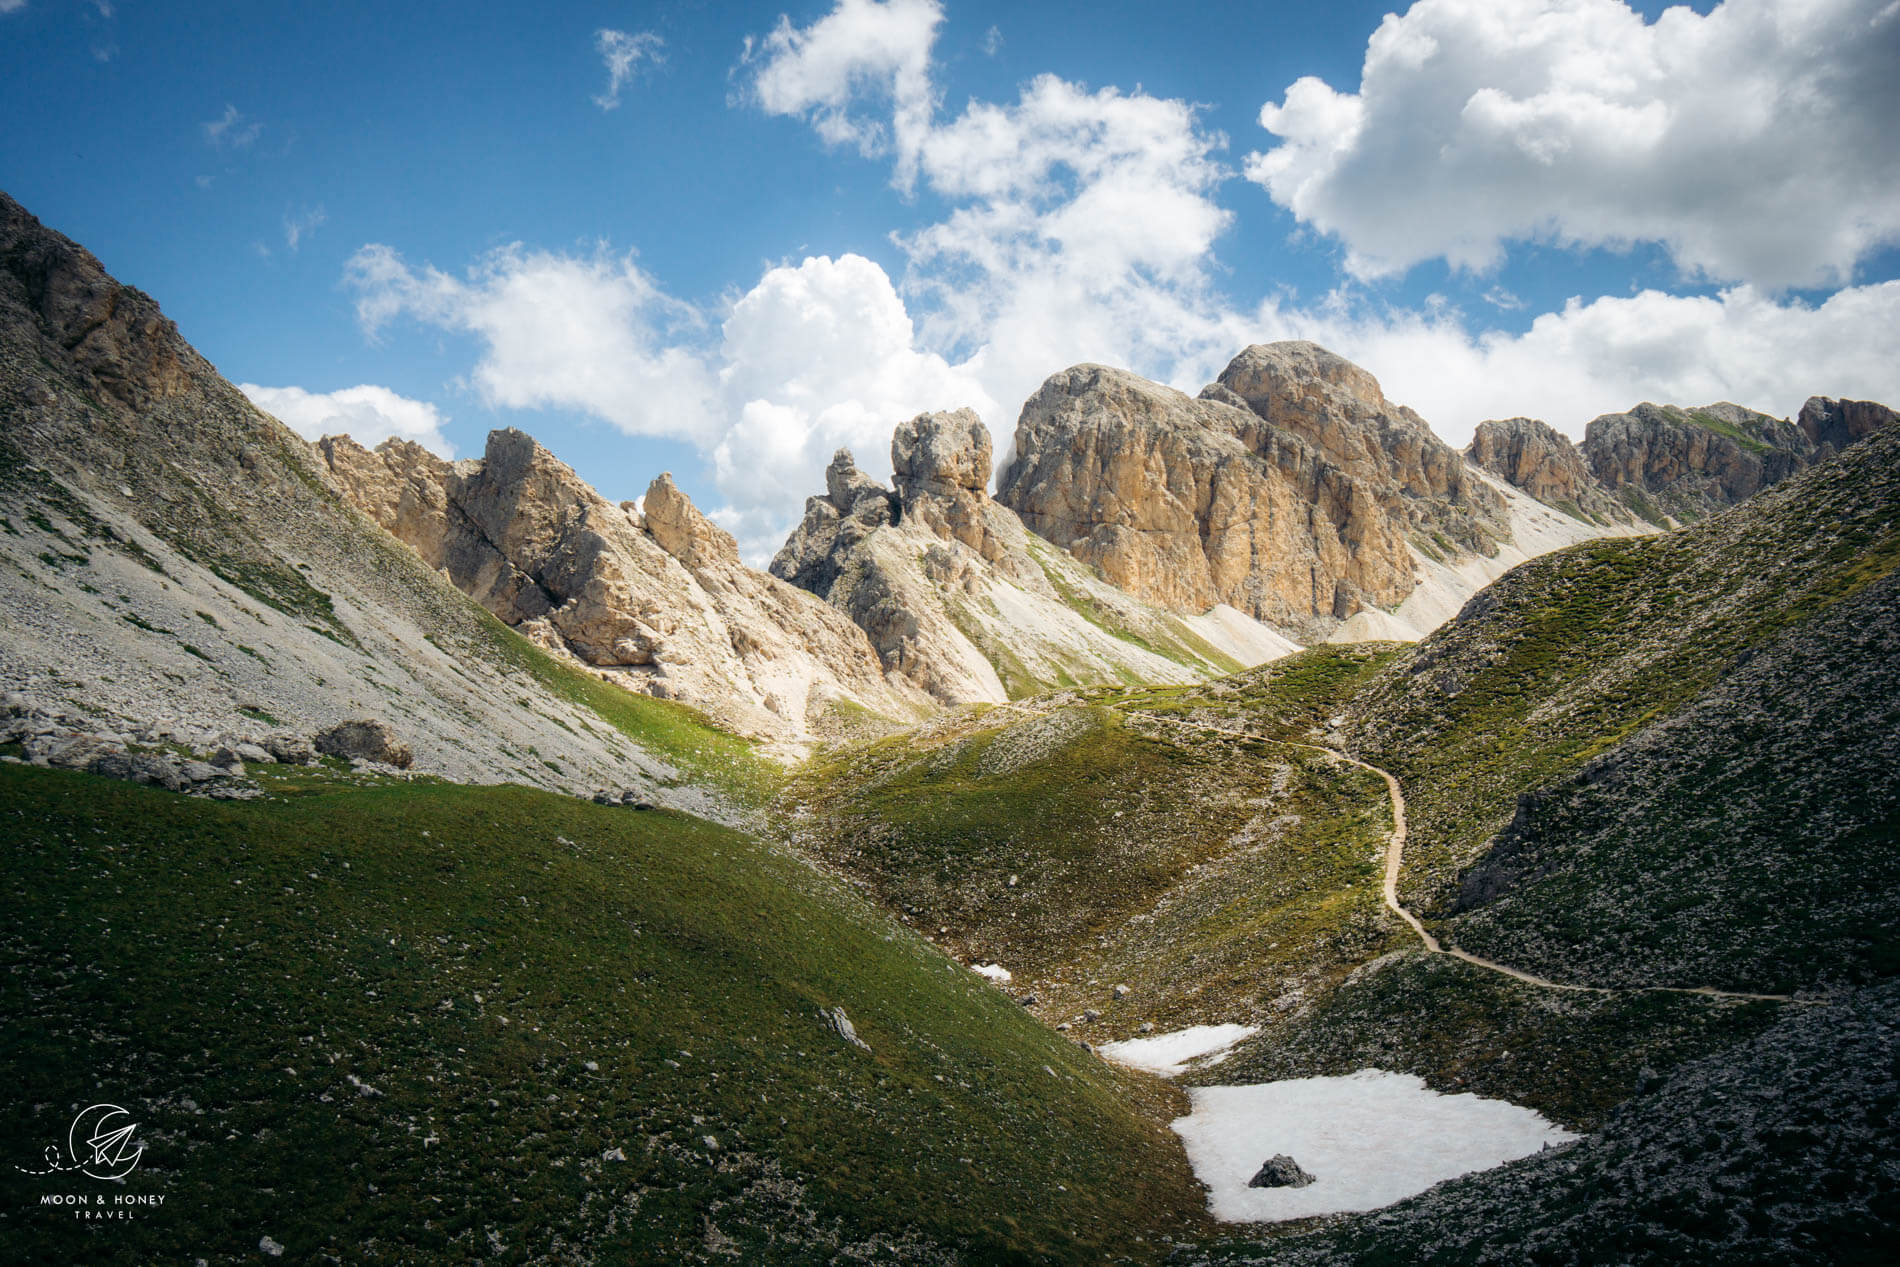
{"x":366,"y":739}
{"x":1280,"y":1171}
{"x":135,"y":767}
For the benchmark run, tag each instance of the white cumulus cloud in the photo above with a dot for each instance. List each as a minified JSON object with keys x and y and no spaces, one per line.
{"x":591,"y":332}
{"x":1607,"y":355}
{"x":622,"y":53}
{"x":1081,"y":224}
{"x":861,"y":49}
{"x":814,"y":358}
{"x":1756,"y":143}
{"x":366,"y":413}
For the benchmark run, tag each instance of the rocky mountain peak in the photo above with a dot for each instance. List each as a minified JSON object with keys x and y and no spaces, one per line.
{"x":942,"y":454}
{"x":1688,"y":463}
{"x":1328,"y":401}
{"x":1290,"y":489}
{"x":1537,"y":458}
{"x":845,"y":483}
{"x":114,"y":334}
{"x":683,"y":531}
{"x":658,"y":598}
{"x":1279,"y":374}
{"x":940,"y":463}
{"x":960,"y":599}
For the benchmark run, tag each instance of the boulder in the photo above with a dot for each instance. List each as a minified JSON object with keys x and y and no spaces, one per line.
{"x":1280,"y":1171}
{"x":138,"y":768}
{"x":367,"y":740}
{"x":286,"y":749}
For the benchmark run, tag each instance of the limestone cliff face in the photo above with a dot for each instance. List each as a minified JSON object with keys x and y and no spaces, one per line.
{"x":657,"y":597}
{"x":1188,"y":503}
{"x":959,"y":598}
{"x":1689,"y":463}
{"x":1537,"y":458}
{"x":1335,"y":405}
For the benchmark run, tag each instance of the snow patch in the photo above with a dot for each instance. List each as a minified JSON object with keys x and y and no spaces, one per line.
{"x":1369,"y":1139}
{"x":1170,"y":1055}
{"x":994,"y":971}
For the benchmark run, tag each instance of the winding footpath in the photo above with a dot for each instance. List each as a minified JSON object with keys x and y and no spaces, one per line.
{"x":1395,"y":861}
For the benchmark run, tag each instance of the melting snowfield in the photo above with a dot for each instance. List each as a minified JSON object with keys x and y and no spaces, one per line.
{"x":1172,"y":1055}
{"x":1368,"y":1139}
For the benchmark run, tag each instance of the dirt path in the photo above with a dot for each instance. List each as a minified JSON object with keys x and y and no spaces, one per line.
{"x":1395,"y":861}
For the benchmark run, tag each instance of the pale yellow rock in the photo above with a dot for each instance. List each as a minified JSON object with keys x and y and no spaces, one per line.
{"x":655,"y":596}
{"x":961,"y":599}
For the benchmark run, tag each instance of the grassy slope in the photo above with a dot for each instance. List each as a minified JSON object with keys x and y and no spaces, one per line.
{"x":1211,"y":876}
{"x":675,"y":732}
{"x":1747,"y":841}
{"x":1574,"y":653}
{"x":227,"y":970}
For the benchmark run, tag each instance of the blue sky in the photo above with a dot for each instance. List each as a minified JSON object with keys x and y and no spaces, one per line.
{"x":791,"y":226}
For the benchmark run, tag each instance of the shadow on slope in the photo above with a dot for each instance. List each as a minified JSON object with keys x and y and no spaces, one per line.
{"x":1669,"y":761}
{"x":418,"y":1021}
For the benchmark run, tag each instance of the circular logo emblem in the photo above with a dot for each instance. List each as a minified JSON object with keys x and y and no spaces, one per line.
{"x":100,"y":1141}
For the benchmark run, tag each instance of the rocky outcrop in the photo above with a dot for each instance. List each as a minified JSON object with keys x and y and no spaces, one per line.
{"x":1535,"y":457}
{"x":960,"y":599}
{"x":656,"y":596}
{"x":1338,"y":407}
{"x":365,"y":739}
{"x":1280,"y":1171}
{"x":1187,"y":503}
{"x":1832,"y":425}
{"x":1689,"y":463}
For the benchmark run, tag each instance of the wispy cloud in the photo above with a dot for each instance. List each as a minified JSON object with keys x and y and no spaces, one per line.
{"x":366,"y":413}
{"x":232,"y":130}
{"x":622,"y":53}
{"x":300,"y":226}
{"x":992,"y":41}
{"x":12,"y":6}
